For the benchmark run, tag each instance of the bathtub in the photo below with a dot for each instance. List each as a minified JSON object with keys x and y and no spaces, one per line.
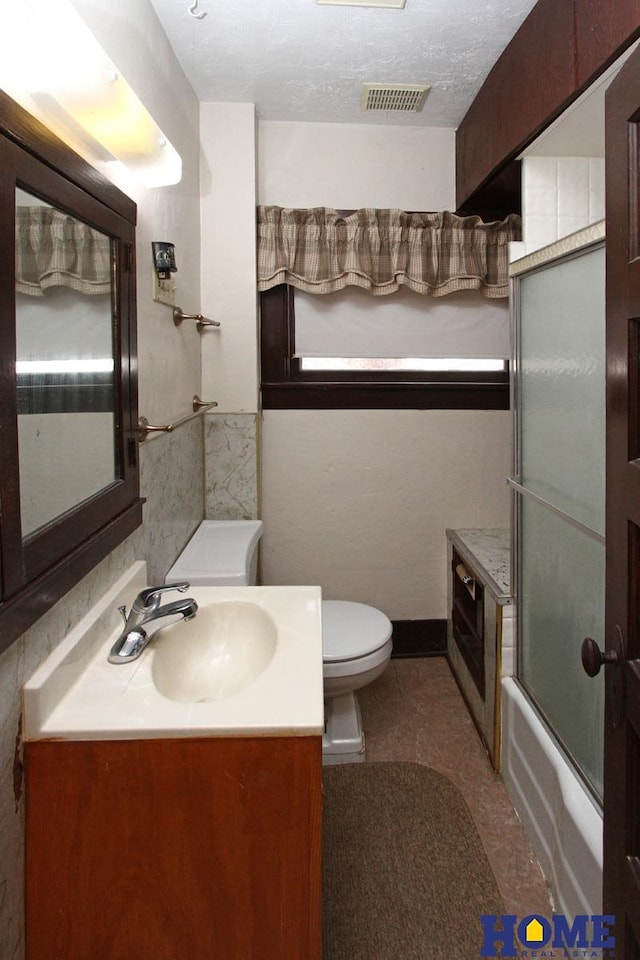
{"x":562,"y":821}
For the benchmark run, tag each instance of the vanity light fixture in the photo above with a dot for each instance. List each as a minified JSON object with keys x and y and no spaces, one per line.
{"x":68,"y":82}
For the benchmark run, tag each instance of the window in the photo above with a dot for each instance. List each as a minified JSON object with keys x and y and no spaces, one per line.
{"x":341,"y":351}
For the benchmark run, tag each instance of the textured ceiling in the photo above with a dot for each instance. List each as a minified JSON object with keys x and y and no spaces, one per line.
{"x":297,"y":60}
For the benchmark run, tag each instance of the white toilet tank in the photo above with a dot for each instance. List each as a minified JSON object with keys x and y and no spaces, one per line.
{"x":221,"y":553}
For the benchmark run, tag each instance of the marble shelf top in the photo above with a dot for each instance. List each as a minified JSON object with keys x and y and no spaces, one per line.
{"x":489,"y":553}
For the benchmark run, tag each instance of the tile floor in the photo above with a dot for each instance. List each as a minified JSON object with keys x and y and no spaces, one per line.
{"x":415,"y":712}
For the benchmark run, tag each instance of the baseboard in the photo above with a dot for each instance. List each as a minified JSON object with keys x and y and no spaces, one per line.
{"x":419,"y":638}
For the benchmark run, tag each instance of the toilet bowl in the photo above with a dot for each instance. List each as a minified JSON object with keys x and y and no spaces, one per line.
{"x":356,"y":638}
{"x":356,"y":648}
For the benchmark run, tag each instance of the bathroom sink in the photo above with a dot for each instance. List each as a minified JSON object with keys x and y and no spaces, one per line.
{"x":248,"y":664}
{"x":214,"y":656}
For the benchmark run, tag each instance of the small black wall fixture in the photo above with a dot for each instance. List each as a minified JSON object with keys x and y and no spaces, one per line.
{"x":164,"y":258}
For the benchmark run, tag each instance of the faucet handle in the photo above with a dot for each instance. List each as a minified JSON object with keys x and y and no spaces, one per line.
{"x":123,"y":613}
{"x":149,"y":599}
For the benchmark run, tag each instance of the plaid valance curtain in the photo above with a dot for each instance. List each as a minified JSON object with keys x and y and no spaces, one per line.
{"x":434,"y":254}
{"x":54,"y":249}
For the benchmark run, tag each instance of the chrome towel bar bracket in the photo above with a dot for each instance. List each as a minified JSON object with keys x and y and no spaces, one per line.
{"x":199,"y":406}
{"x":201,"y":322}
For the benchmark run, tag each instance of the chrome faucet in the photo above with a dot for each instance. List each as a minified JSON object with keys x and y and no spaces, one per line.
{"x":146,"y":609}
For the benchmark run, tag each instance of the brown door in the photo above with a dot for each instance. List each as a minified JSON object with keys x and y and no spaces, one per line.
{"x":622,"y":633}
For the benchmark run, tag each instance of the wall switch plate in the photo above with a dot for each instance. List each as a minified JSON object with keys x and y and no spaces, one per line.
{"x":164,"y":291}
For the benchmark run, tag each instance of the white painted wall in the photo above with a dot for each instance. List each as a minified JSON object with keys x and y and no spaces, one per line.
{"x":169,"y":374}
{"x":228,"y":211}
{"x":358,"y":501}
{"x":348,"y":166}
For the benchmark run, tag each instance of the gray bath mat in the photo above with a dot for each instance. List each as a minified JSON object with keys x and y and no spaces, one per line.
{"x":405,"y":873}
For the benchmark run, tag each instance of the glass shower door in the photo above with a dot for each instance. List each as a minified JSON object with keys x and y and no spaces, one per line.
{"x":560,"y":430}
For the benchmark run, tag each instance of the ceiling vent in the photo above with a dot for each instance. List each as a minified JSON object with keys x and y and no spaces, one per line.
{"x":407,"y":97}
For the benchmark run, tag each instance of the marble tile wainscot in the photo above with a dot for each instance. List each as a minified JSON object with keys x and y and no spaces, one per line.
{"x":171,"y":480}
{"x":487,"y":555}
{"x":231,"y":443}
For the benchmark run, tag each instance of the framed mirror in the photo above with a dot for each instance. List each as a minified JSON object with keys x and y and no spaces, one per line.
{"x":69,"y":484}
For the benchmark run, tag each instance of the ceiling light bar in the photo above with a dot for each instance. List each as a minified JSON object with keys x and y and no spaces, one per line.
{"x":68,"y":82}
{"x":391,"y":4}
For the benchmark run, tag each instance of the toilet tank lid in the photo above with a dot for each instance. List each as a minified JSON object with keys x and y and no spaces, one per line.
{"x":218,"y":548}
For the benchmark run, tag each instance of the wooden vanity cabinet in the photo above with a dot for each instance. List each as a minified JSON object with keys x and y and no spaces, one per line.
{"x":174,"y":849}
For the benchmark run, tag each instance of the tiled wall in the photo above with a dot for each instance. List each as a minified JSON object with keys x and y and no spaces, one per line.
{"x":171,"y":480}
{"x":559,"y":196}
{"x":508,"y":641}
{"x":231,"y":466}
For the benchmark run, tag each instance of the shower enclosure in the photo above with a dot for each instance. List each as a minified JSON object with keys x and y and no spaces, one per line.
{"x":559,"y":408}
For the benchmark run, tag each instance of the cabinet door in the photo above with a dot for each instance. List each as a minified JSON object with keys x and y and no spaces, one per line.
{"x":525,"y":88}
{"x":602,"y":28}
{"x":168,"y":849}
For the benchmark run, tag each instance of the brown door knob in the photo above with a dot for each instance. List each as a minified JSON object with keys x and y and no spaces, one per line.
{"x":593,"y":657}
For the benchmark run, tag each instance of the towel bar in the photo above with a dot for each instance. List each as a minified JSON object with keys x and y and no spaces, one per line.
{"x":199,"y":406}
{"x":201,"y":322}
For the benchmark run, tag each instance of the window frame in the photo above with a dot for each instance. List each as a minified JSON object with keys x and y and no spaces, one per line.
{"x":286,"y":386}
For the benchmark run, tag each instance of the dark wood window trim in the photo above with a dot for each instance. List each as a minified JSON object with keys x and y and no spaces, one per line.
{"x":286,"y":386}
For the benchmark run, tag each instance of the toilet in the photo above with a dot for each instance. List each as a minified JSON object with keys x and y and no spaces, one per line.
{"x":356,"y":638}
{"x":356,"y":648}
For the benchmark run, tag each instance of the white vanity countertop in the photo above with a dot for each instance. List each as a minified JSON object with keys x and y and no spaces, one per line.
{"x":77,"y":695}
{"x":489,"y":553}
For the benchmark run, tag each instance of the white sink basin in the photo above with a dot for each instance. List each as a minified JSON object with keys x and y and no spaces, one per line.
{"x":216,"y":655}
{"x":248,"y":664}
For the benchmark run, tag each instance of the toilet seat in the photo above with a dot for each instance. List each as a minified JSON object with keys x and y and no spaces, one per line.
{"x":352,"y":631}
{"x":361,"y":667}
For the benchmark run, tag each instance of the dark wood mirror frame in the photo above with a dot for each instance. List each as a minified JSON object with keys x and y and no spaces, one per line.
{"x":38,"y":570}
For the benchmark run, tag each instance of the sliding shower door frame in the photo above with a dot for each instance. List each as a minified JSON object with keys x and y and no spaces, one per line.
{"x":564,"y":251}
